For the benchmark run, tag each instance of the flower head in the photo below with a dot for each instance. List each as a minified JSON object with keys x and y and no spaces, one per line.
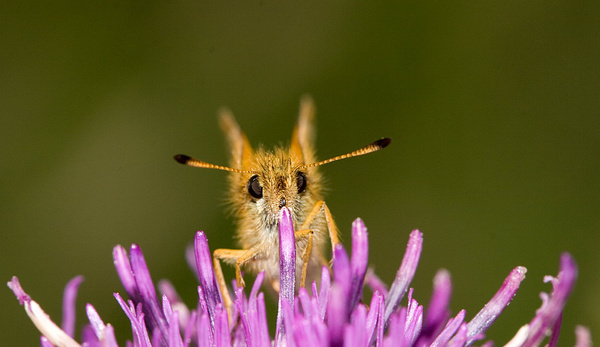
{"x":335,"y":313}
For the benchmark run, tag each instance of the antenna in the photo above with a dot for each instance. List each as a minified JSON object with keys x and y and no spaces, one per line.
{"x":189,"y":161}
{"x":373,"y":147}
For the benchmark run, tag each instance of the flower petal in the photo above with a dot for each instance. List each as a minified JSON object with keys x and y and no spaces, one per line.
{"x":95,"y":321}
{"x":450,"y":329}
{"x":359,"y":261}
{"x":15,"y":286}
{"x":138,"y":325}
{"x":519,"y":337}
{"x":552,"y":309}
{"x":123,"y":266}
{"x":323,"y":294}
{"x":69,"y":297}
{"x":287,"y":265}
{"x":174,"y":334}
{"x":414,"y":319}
{"x":151,"y":305}
{"x":208,"y":282}
{"x":488,"y":314}
{"x":45,"y":342}
{"x":375,"y":283}
{"x":204,"y":335}
{"x":405,"y":273}
{"x":40,"y":319}
{"x":460,"y":339}
{"x":355,"y":333}
{"x":342,"y":278}
{"x":438,"y":312}
{"x":583,"y":337}
{"x":109,"y":337}
{"x":336,"y":314}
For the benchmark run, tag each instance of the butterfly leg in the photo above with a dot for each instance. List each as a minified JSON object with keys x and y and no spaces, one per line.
{"x":240,"y":257}
{"x":305,"y":234}
{"x":321,"y":208}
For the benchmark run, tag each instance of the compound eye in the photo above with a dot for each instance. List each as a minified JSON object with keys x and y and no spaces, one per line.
{"x":254,"y":187}
{"x":301,"y":182}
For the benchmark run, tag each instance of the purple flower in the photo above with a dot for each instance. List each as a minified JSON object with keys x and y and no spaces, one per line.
{"x":335,"y":313}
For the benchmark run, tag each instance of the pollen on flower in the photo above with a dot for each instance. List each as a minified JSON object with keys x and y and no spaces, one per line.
{"x":334,"y":313}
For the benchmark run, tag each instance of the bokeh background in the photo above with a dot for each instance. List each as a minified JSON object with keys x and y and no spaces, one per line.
{"x":493,"y":108}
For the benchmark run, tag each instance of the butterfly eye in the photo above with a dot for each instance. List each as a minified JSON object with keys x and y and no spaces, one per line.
{"x":254,"y":187}
{"x":301,"y":181}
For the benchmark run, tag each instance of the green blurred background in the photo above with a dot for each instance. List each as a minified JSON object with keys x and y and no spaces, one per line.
{"x":493,"y":108}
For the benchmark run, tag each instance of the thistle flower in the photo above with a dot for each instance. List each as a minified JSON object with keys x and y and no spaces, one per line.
{"x":334,"y":314}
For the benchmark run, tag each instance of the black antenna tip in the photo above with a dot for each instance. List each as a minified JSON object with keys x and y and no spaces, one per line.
{"x":383,"y":143}
{"x":181,"y":158}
